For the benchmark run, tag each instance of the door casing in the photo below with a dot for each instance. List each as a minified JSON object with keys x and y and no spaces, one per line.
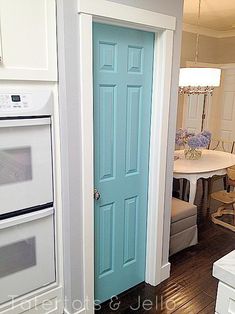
{"x":163,"y":26}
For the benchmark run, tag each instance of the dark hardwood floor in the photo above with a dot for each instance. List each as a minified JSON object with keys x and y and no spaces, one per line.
{"x":191,"y":288}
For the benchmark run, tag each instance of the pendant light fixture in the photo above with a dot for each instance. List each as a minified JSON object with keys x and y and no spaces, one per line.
{"x":198,"y":80}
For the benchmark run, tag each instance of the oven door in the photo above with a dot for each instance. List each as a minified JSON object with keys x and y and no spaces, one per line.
{"x":27,"y":258}
{"x":25,"y":164}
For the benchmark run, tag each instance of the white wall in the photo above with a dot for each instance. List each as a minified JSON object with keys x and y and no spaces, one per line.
{"x":70,"y":131}
{"x":70,"y":150}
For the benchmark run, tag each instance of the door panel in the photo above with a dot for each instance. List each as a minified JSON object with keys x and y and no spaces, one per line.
{"x":130,"y":230}
{"x":107,"y":131}
{"x":193,"y":109}
{"x":133,"y":124}
{"x":228,"y":116}
{"x":123,"y":60}
{"x":106,"y":221}
{"x":223,"y":126}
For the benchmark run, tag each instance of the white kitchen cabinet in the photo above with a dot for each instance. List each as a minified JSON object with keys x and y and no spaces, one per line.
{"x":28,"y":40}
{"x":224,"y":270}
{"x":225,"y":302}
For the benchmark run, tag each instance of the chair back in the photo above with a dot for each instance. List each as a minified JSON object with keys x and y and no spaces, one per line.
{"x":222,"y":145}
{"x":231,"y":173}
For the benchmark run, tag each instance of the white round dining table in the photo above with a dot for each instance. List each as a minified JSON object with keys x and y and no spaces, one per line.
{"x":210,"y":164}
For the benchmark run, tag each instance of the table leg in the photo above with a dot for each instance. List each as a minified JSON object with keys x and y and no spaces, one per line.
{"x":181,"y":184}
{"x":192,"y":193}
{"x":187,"y":189}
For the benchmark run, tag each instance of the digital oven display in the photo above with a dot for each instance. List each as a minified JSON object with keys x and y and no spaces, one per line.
{"x":15,"y":98}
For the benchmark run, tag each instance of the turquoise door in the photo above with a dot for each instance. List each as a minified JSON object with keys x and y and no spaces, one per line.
{"x":123,"y":62}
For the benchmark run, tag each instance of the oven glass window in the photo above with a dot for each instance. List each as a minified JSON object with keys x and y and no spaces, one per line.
{"x":15,"y":165}
{"x":17,"y":256}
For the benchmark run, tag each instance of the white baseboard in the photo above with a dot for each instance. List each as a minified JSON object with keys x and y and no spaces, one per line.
{"x":165,"y":271}
{"x":33,"y":303}
{"x":82,"y":311}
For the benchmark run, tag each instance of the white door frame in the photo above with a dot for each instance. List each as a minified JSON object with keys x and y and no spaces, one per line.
{"x":163,"y":26}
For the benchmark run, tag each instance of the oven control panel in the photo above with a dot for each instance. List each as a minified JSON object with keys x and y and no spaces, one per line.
{"x":15,"y":102}
{"x":25,"y":103}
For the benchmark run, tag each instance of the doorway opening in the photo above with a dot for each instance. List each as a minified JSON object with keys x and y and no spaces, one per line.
{"x":163,"y":27}
{"x":123,"y":72}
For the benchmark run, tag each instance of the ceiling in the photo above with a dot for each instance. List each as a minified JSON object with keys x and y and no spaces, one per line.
{"x":215,"y":14}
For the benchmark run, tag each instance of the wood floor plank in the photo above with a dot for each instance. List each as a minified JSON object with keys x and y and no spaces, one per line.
{"x":191,"y":288}
{"x":196,"y":305}
{"x":210,"y":309}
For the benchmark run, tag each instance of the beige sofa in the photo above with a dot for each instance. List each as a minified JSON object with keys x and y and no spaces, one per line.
{"x":184,"y":231}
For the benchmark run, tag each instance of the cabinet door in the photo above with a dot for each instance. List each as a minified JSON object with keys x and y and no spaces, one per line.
{"x":28,"y":40}
{"x":225,"y":302}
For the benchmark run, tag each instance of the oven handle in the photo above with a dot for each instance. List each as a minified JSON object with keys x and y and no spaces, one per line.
{"x":12,"y":222}
{"x":23,"y":122}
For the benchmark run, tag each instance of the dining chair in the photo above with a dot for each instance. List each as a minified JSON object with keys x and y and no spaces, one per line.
{"x":231,"y":178}
{"x":222,"y":145}
{"x":227,"y":198}
{"x":225,"y":146}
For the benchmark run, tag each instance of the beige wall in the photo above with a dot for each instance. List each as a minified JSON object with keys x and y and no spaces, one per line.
{"x":211,"y":49}
{"x":207,"y":48}
{"x":226,"y":50}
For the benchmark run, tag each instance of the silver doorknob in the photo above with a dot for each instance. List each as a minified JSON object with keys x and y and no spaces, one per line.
{"x":96,"y":194}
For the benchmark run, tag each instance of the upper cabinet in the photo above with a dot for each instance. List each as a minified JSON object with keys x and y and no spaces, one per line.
{"x":28,"y":40}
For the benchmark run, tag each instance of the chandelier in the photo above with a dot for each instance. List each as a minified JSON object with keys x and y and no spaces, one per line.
{"x":198,"y":80}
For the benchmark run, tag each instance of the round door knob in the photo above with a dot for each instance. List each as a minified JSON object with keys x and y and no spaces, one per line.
{"x":96,"y":195}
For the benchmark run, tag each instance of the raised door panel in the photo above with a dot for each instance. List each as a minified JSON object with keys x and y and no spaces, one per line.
{"x":227,"y":130}
{"x":107,"y":133}
{"x":28,"y":40}
{"x":133,"y":129}
{"x":106,"y":236}
{"x":130,"y":230}
{"x":193,"y":107}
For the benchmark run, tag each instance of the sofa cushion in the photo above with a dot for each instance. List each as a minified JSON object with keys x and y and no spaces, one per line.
{"x":183,"y":239}
{"x":181,"y":210}
{"x":183,"y":224}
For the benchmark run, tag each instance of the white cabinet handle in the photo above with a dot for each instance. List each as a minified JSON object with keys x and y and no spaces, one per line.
{"x":24,"y":122}
{"x":14,"y":221}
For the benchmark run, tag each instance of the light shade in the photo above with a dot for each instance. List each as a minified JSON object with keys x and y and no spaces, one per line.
{"x":199,"y":77}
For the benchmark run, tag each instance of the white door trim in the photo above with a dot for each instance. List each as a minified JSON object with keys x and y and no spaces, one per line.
{"x":104,"y":11}
{"x":158,"y":155}
{"x":127,"y":14}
